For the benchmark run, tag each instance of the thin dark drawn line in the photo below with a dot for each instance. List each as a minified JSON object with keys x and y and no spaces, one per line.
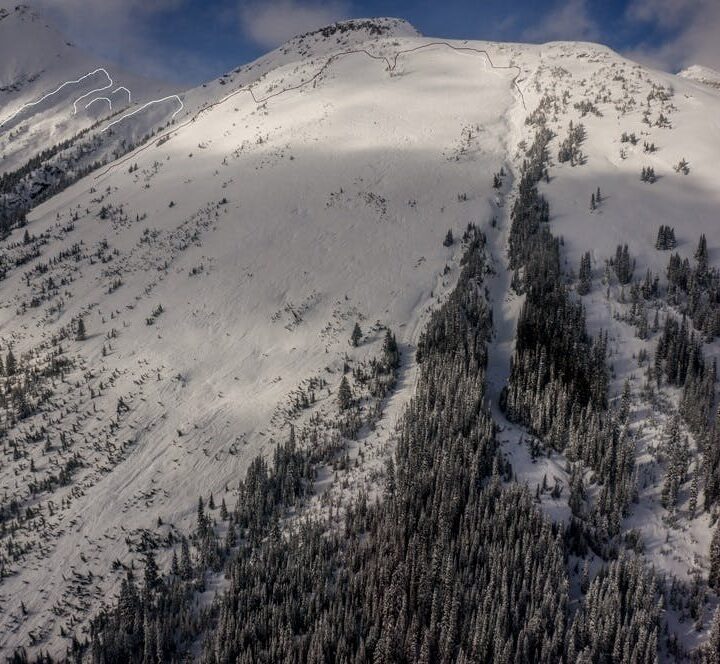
{"x":391,"y":66}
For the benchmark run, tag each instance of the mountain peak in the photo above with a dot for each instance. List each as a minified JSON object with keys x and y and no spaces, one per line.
{"x":702,"y":74}
{"x":361,"y":29}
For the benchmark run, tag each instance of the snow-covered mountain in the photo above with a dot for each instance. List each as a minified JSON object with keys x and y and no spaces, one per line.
{"x":219,"y":270}
{"x":702,"y":74}
{"x":51,"y":91}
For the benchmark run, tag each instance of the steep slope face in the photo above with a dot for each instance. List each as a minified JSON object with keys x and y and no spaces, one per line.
{"x":62,"y":112}
{"x":706,"y":75}
{"x":214,"y":280}
{"x":50,"y":90}
{"x":632,"y":151}
{"x":219,"y":271}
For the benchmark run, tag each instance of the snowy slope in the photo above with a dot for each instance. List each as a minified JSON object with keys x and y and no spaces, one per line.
{"x":631,"y":212}
{"x":50,"y":90}
{"x":338,"y":198}
{"x":229,"y":267}
{"x":702,"y":74}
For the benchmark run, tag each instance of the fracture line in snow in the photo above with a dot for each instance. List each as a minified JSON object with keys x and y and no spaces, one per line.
{"x":90,"y":103}
{"x":391,"y":67}
{"x":122,"y":87}
{"x":143,"y":107}
{"x":108,"y":100}
{"x":54,"y":92}
{"x":92,"y":92}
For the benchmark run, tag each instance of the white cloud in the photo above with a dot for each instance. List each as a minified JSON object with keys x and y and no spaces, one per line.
{"x":269,"y":23}
{"x":116,"y":30}
{"x":570,"y":20}
{"x":104,"y":14}
{"x":692,"y":28}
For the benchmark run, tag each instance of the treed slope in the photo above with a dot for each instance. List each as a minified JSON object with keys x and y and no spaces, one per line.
{"x":219,"y":273}
{"x":56,"y":103}
{"x":215,"y":281}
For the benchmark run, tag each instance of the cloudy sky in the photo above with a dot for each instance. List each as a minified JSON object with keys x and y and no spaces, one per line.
{"x":194,"y":40}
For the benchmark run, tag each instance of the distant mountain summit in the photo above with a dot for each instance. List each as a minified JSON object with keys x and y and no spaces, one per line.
{"x":702,"y":74}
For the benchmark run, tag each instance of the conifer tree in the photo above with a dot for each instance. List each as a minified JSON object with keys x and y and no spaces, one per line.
{"x":80,"y":333}
{"x":356,"y":335}
{"x":186,"y":568}
{"x":344,"y":394}
{"x":585,"y":275}
{"x":391,"y":352}
{"x":701,"y":255}
{"x":10,"y":364}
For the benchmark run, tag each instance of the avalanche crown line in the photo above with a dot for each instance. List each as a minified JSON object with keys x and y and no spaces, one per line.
{"x":108,"y":100}
{"x":54,"y":92}
{"x":143,"y":107}
{"x":92,"y":92}
{"x":391,"y":66}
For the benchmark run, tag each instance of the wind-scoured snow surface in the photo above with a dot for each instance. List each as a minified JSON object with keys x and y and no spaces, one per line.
{"x":230,"y":264}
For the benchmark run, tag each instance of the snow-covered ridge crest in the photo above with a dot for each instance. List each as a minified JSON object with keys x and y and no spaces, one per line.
{"x":345,"y":34}
{"x":381,"y":27}
{"x":702,"y":74}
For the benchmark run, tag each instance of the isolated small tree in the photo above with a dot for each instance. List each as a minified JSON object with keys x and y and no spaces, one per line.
{"x":344,"y":394}
{"x":648,"y":174}
{"x":356,"y":335}
{"x":682,"y":167}
{"x":81,"y":333}
{"x":449,"y":239}
{"x":665,"y":238}
{"x":201,"y":514}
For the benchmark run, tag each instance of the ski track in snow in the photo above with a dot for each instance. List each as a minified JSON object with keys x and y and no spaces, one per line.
{"x":391,"y":67}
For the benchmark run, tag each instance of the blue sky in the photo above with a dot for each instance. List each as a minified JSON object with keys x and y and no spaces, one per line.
{"x":189,"y":41}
